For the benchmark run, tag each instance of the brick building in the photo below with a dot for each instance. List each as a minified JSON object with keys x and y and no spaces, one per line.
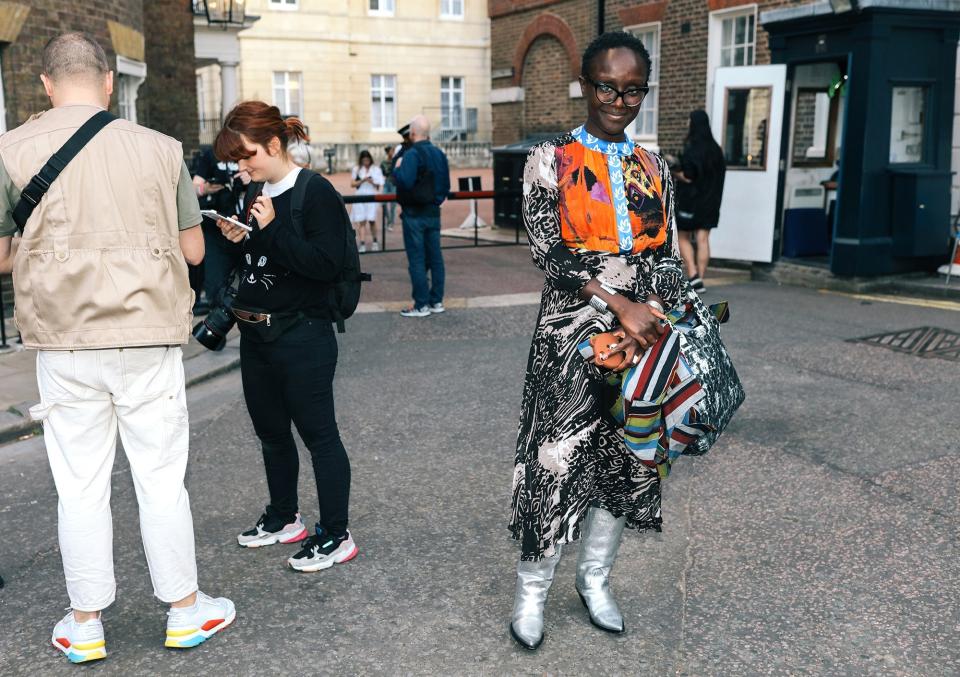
{"x":154,"y":69}
{"x":792,"y":87}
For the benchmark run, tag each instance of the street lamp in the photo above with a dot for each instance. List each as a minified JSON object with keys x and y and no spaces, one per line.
{"x":222,"y":11}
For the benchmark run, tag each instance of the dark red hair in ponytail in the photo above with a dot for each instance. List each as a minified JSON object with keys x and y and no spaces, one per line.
{"x":260,"y":123}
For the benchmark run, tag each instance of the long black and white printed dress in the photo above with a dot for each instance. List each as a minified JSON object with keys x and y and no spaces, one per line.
{"x":570,"y":452}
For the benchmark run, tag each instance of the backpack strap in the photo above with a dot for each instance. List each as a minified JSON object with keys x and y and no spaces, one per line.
{"x":296,"y":200}
{"x":297,"y":197}
{"x":34,"y":191}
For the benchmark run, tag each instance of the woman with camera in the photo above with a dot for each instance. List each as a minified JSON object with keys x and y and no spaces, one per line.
{"x":288,"y":351}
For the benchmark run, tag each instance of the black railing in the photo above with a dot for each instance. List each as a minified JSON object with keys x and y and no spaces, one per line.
{"x":3,"y":319}
{"x":209,"y":128}
{"x":388,"y":198}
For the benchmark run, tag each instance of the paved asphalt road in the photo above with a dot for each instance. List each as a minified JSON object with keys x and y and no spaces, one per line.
{"x":818,"y":537}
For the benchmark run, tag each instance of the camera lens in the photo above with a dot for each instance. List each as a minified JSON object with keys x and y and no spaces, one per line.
{"x":211,"y":332}
{"x":207,"y":338}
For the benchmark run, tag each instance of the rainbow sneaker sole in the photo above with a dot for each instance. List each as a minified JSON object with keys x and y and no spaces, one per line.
{"x":188,"y":636}
{"x":81,"y":652}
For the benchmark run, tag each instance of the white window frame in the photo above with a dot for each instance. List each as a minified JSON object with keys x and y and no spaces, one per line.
{"x":650,"y":138}
{"x":380,"y":92}
{"x":446,"y":9}
{"x":130,"y":75}
{"x":748,"y":46}
{"x":201,"y":99}
{"x":283,"y":5}
{"x":715,"y":40}
{"x":384,"y":7}
{"x":284,"y":106}
{"x":451,"y":90}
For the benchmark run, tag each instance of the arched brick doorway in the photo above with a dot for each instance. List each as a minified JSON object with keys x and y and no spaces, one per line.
{"x":545,"y":81}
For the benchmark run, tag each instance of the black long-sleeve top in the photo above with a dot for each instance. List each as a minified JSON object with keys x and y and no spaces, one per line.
{"x":284,"y":272}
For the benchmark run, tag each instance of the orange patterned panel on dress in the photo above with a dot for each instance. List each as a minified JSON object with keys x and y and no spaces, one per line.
{"x":588,"y":218}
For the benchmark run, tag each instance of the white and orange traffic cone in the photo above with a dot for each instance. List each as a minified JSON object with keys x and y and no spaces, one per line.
{"x":952,"y":268}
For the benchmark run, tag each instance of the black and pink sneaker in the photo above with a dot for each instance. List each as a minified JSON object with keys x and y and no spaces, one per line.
{"x":321,"y":551}
{"x":270,"y":530}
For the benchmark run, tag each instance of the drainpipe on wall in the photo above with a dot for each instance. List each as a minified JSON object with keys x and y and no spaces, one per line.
{"x":601,"y":16}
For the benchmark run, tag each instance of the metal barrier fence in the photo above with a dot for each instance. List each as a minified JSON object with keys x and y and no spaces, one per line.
{"x":386,"y":199}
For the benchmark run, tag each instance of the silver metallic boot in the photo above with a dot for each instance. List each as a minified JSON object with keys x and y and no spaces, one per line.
{"x":533,"y":584}
{"x":599,"y":541}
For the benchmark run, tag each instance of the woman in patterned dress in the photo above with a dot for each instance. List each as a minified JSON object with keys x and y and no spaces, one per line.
{"x":598,"y":210}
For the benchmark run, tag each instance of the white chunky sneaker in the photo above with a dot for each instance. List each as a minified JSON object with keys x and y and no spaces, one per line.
{"x":189,"y":626}
{"x":79,"y":642}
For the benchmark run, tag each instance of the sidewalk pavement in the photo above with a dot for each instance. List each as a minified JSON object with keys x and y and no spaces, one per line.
{"x":799,"y":274}
{"x":484,"y":277}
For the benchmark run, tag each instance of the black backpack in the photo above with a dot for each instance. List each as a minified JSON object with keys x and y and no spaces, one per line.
{"x":344,"y":292}
{"x":422,"y":193}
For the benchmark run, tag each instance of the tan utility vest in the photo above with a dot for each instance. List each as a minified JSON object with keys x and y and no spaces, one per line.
{"x":100,"y":264}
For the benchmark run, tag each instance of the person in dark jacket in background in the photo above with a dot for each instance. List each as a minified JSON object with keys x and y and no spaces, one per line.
{"x":421,"y":216}
{"x":698,"y":200}
{"x":220,"y":186}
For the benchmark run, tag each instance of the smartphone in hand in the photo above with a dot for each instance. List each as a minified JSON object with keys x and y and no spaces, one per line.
{"x":214,"y":215}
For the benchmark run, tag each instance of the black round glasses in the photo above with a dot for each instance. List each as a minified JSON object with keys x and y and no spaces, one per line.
{"x":606,"y":94}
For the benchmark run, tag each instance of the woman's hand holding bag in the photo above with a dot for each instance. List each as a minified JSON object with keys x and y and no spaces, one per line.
{"x":641,"y":322}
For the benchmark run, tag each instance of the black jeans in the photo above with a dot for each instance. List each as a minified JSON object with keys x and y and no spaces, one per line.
{"x":291,"y":379}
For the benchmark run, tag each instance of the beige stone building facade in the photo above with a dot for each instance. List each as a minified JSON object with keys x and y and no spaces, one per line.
{"x":356,"y":70}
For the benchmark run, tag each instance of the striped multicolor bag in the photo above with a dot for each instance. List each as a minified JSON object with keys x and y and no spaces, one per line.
{"x":682,"y":393}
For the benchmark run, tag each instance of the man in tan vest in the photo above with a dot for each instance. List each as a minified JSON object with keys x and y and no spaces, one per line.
{"x":100,"y":277}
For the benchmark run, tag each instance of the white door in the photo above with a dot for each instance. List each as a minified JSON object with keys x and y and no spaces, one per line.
{"x":747,"y":118}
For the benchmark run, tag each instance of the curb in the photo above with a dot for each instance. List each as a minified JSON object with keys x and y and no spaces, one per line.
{"x":812,"y":277}
{"x":197,"y":369}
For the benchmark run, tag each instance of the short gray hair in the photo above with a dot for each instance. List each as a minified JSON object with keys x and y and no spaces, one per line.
{"x":299,"y":152}
{"x":74,"y":55}
{"x":420,"y":126}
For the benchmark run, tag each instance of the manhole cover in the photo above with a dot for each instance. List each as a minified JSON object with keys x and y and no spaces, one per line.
{"x":922,"y":341}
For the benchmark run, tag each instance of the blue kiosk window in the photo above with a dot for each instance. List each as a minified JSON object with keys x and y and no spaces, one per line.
{"x":907,"y":118}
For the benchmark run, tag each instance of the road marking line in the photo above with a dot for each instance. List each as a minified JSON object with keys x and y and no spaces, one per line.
{"x":903,"y":300}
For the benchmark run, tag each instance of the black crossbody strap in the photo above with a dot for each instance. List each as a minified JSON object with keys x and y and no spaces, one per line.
{"x":34,"y":191}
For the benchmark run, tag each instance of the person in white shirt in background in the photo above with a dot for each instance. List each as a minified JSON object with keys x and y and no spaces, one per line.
{"x":368,"y":180}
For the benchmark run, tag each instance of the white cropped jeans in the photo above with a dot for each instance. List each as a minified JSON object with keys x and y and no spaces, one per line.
{"x":87,"y":396}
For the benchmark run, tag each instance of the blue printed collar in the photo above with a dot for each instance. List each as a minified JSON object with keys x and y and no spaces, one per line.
{"x":620,"y":148}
